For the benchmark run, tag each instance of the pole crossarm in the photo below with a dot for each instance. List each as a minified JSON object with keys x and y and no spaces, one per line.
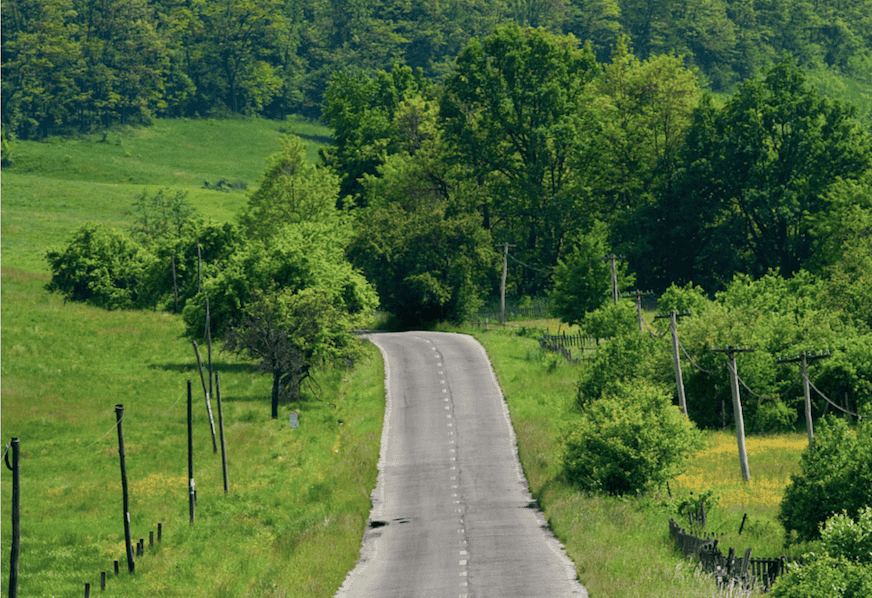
{"x":808,"y":356}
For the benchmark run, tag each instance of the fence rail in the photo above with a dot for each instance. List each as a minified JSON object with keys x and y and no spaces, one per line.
{"x":742,"y":571}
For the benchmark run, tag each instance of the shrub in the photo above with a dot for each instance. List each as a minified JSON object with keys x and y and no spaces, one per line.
{"x":629,"y":441}
{"x":835,"y":476}
{"x":844,"y":537}
{"x":611,"y":320}
{"x":101,"y":266}
{"x":627,"y":357}
{"x":825,"y":577}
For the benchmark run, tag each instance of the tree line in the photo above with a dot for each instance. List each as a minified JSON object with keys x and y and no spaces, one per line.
{"x":74,"y":65}
{"x":531,"y":141}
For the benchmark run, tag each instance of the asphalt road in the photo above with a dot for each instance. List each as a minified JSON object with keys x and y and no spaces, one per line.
{"x":452,"y":513}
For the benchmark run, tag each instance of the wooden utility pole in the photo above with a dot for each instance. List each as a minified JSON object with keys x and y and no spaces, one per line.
{"x":221,"y":429}
{"x":737,"y":404}
{"x":612,"y":258}
{"x":505,"y":247}
{"x":803,"y":358}
{"x":119,"y":419}
{"x":191,"y":498}
{"x":676,"y":358}
{"x":15,"y":547}
{"x":637,"y":296}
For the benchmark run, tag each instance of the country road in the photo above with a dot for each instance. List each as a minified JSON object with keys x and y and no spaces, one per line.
{"x":452,"y":514}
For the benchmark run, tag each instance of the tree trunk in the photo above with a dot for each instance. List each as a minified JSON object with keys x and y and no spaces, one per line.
{"x":275,"y":394}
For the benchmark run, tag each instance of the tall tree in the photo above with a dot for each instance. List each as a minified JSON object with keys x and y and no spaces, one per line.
{"x":515,"y":111}
{"x":753,"y":172}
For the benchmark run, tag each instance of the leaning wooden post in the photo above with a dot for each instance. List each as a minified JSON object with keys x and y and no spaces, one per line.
{"x":190,"y":454}
{"x":119,"y":418}
{"x":676,"y":359}
{"x":206,"y":392}
{"x":737,"y":405}
{"x":221,"y":430}
{"x":15,"y":547}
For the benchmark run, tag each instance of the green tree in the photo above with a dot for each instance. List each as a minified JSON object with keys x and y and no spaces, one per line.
{"x":753,"y":172}
{"x":283,"y":331}
{"x":835,"y":477}
{"x":425,"y":264}
{"x":515,"y":112}
{"x":290,"y":191}
{"x":582,"y":282}
{"x":361,"y":111}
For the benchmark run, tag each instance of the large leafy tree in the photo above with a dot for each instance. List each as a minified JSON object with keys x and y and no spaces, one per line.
{"x":515,"y":113}
{"x":754,"y":171}
{"x":425,"y":263}
{"x":290,"y":191}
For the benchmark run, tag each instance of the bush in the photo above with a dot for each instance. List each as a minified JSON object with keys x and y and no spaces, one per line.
{"x":629,"y":441}
{"x":845,"y":538}
{"x":825,"y":577}
{"x":101,"y":266}
{"x":627,"y":357}
{"x":611,"y":320}
{"x":835,"y":477}
{"x":843,"y":570}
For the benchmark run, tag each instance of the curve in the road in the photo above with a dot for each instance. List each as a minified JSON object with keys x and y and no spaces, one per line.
{"x":452,"y":513}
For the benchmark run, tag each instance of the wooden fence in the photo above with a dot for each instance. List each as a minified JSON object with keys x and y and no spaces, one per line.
{"x":729,"y":569}
{"x":563,"y":344}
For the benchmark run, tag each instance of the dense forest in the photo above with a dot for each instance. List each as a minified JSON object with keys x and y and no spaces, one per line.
{"x":72,"y":65}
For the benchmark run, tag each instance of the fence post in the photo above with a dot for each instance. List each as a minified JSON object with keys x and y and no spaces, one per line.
{"x":102,"y":581}
{"x":119,"y":418}
{"x":15,"y":548}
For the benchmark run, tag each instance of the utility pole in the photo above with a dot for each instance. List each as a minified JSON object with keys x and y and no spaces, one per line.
{"x":612,"y":258}
{"x":803,"y":358}
{"x":637,"y":295}
{"x":737,"y":404}
{"x":676,"y":360}
{"x":505,"y":247}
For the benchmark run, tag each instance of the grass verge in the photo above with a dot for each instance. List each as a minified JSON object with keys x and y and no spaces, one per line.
{"x":299,"y":499}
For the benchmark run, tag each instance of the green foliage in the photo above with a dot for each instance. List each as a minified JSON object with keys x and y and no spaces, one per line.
{"x":630,"y":440}
{"x":516,"y":113}
{"x":582,"y":282}
{"x":290,"y":191}
{"x":100,"y":266}
{"x":161,"y":216}
{"x":624,"y":359}
{"x":753,"y":172}
{"x":825,"y":576}
{"x":836,"y":474}
{"x":302,"y":256}
{"x":681,"y":299}
{"x":612,"y":320}
{"x":843,"y":537}
{"x":425,"y":264}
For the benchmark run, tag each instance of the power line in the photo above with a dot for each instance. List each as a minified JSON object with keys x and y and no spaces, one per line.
{"x":827,"y":399}
{"x":527,"y":265}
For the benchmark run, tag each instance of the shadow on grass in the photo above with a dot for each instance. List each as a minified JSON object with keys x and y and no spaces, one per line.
{"x":221,"y":368}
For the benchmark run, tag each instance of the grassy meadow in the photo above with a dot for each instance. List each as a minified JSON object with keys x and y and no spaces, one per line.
{"x":621,"y":545}
{"x":298,"y":501}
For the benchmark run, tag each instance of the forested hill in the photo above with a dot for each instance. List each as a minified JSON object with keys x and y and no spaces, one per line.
{"x":79,"y":64}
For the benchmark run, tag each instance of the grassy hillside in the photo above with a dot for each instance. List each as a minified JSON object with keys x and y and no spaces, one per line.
{"x":293,"y":520}
{"x":55,"y":186}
